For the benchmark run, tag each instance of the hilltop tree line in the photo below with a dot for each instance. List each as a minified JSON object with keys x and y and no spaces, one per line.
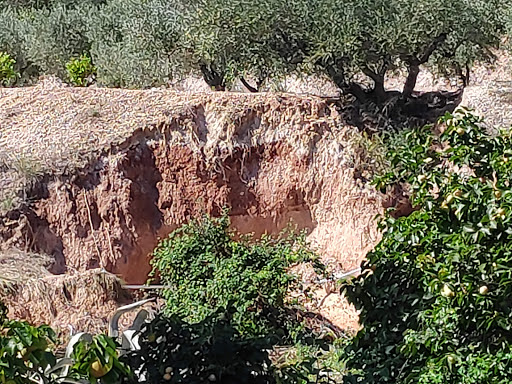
{"x":354,"y":43}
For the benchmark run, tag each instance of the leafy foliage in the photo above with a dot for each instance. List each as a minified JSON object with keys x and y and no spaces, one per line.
{"x":230,"y":39}
{"x":346,"y":41}
{"x":142,"y":43}
{"x":11,"y":40}
{"x":99,"y":360}
{"x":23,"y":350}
{"x":434,"y":295}
{"x":243,"y":284}
{"x":135,"y":43}
{"x":81,"y":70}
{"x":41,"y":4}
{"x":211,"y":350}
{"x":208,"y":270}
{"x":369,"y":39}
{"x":26,"y":356}
{"x":53,"y":36}
{"x":7,"y":72}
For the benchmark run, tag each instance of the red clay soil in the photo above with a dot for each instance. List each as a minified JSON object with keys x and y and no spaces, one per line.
{"x":277,"y":160}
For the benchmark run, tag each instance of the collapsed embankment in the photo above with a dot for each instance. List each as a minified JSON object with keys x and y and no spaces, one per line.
{"x":118,"y":170}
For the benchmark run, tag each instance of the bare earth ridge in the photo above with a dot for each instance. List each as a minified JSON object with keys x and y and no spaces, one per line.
{"x":92,"y":178}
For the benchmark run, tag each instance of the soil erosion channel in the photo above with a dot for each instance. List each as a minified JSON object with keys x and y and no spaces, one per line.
{"x":117,"y":170}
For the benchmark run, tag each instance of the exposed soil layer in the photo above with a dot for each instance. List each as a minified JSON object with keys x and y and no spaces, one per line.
{"x":94,"y":177}
{"x":271,"y":160}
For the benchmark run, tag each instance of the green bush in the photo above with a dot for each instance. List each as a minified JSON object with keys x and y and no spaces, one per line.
{"x":7,"y":72}
{"x":81,"y":71}
{"x":11,"y":40}
{"x":51,"y":37}
{"x":435,"y":294}
{"x":211,"y":350}
{"x":42,"y":4}
{"x":207,"y":270}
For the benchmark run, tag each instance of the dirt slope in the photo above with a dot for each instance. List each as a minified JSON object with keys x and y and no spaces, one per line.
{"x":94,"y":177}
{"x":117,"y":179}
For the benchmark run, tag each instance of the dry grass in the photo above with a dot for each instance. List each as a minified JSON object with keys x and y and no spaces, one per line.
{"x":83,"y":300}
{"x":54,"y":129}
{"x":17,"y":266}
{"x":59,"y":127}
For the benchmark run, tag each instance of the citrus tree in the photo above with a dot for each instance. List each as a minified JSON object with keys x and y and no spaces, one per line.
{"x":24,"y":352}
{"x":98,"y":362}
{"x":435,"y":294}
{"x":27,"y":356}
{"x":175,"y":351}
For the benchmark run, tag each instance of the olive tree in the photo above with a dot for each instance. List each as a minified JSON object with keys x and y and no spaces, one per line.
{"x":11,"y":38}
{"x":135,"y":43}
{"x":54,"y":35}
{"x":42,"y":40}
{"x":355,"y":43}
{"x":374,"y":37}
{"x":228,"y":40}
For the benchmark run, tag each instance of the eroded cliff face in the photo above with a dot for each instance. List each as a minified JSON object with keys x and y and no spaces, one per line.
{"x":271,"y":160}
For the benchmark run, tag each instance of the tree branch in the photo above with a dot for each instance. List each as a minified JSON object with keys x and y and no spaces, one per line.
{"x":415,"y":62}
{"x":348,"y":88}
{"x":249,"y":87}
{"x":372,"y":75}
{"x":212,"y":77}
{"x":410,"y":82}
{"x":464,"y":76}
{"x":378,"y":80}
{"x":423,"y":58}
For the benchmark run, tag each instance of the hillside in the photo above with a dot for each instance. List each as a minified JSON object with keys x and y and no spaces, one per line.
{"x":92,"y":178}
{"x":108,"y":172}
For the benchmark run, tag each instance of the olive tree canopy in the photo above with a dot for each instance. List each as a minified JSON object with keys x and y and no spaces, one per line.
{"x":356,"y":43}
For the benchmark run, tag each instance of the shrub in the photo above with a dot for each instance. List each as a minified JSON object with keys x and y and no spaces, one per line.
{"x":52,"y":36}
{"x":81,"y":71}
{"x":246,"y":282}
{"x":435,"y":293}
{"x":11,"y":40}
{"x":211,"y":350}
{"x":7,"y":72}
{"x":42,"y":4}
{"x":208,"y":270}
